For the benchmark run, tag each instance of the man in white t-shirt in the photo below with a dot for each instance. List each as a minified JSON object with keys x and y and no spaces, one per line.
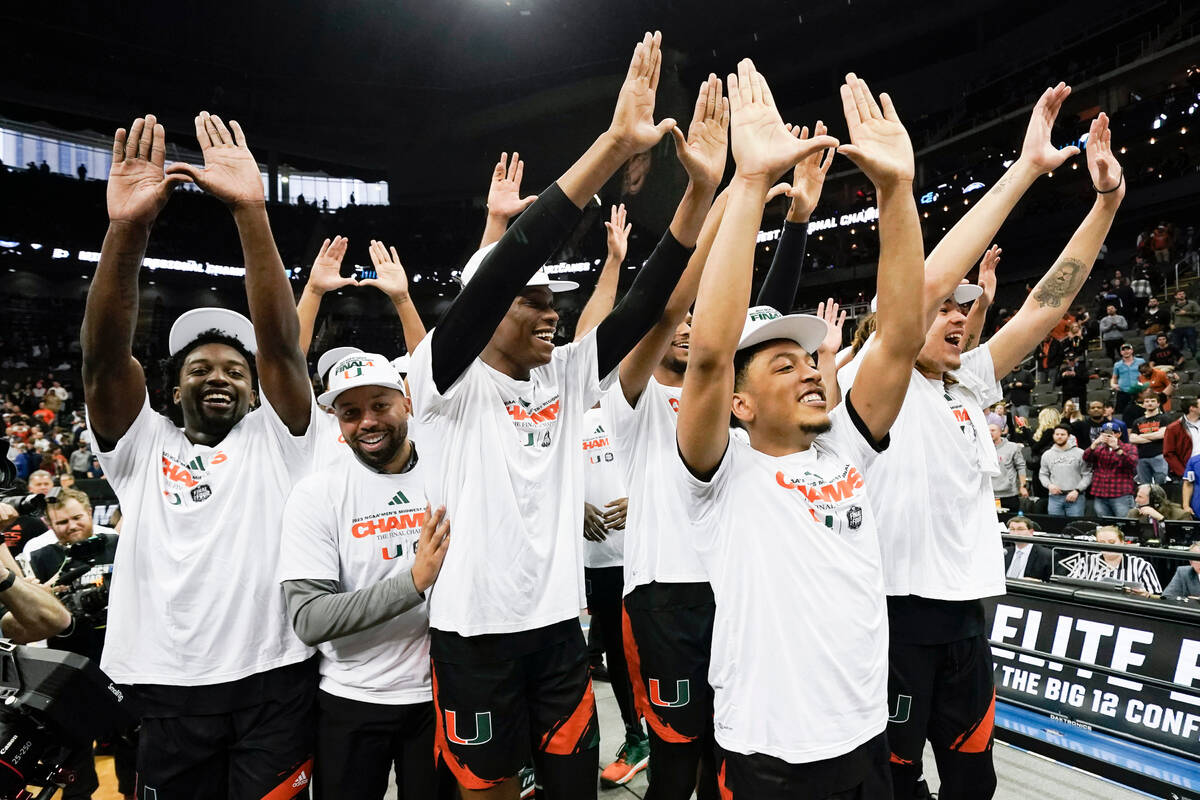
{"x":359,"y":550}
{"x":197,"y":624}
{"x":510,"y":669}
{"x":783,"y":522}
{"x":933,"y":495}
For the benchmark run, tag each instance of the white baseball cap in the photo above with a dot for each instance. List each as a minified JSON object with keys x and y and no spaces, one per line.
{"x":540,"y":278}
{"x":332,"y":356}
{"x":360,"y":369}
{"x":201,"y":320}
{"x":764,"y":323}
{"x":963,"y":293}
{"x":402,"y":364}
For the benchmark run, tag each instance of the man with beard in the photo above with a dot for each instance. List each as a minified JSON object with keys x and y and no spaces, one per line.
{"x":939,"y":545}
{"x":198,"y":627}
{"x":360,"y":548}
{"x":510,"y":668}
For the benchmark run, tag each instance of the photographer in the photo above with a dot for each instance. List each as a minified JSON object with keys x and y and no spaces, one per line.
{"x":32,"y":613}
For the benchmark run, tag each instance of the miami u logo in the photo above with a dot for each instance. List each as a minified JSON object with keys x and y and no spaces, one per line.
{"x":903,"y":709}
{"x":682,"y":694}
{"x":483,"y":728}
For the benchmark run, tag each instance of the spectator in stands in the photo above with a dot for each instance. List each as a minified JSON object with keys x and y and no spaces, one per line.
{"x":1165,"y":354}
{"x":1048,"y":358}
{"x":1112,"y":330}
{"x":1151,"y":507}
{"x":1075,"y":343}
{"x":1017,"y":386}
{"x":26,"y":459}
{"x":1042,"y":437}
{"x":1114,"y":467}
{"x":44,"y":414}
{"x":1148,"y":432}
{"x":1087,"y":325}
{"x":994,"y":415}
{"x":1065,"y":475}
{"x":1155,"y":321}
{"x":1128,"y":301}
{"x":1108,"y":296}
{"x":1009,"y":485}
{"x":1117,"y":566}
{"x":1025,"y":560}
{"x":1184,"y":315}
{"x":40,"y":482}
{"x":1125,"y":379}
{"x":1186,"y":580}
{"x":1143,"y":292}
{"x":1182,"y":439}
{"x":1158,"y":381}
{"x":1073,"y":379}
{"x":1160,"y":243}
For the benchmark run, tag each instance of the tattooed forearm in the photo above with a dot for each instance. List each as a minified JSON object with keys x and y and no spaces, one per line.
{"x":1002,"y":185}
{"x":1061,"y":283}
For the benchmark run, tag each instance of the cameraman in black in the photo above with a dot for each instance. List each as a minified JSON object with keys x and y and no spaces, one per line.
{"x":74,"y":569}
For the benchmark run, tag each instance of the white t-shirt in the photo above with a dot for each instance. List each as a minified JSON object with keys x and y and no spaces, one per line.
{"x":658,"y":545}
{"x":800,"y":639}
{"x":603,"y":482}
{"x":331,"y":445}
{"x":932,"y":489}
{"x":356,"y":526}
{"x":511,"y":479}
{"x":198,"y":602}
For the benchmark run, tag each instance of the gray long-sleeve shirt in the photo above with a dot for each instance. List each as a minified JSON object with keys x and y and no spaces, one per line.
{"x":1012,"y":469}
{"x":320,"y":611}
{"x":1111,"y":326}
{"x":1065,"y":468}
{"x":1184,"y":583}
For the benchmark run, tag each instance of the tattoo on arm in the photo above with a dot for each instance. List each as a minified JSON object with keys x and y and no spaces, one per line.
{"x":1002,"y":184}
{"x":1062,"y":282}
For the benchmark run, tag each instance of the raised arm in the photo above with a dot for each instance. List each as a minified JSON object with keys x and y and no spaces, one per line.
{"x":640,"y":331}
{"x":232,"y":175}
{"x":1056,"y":290}
{"x":325,"y":276}
{"x":469,"y":323}
{"x":33,"y":613}
{"x":392,"y":280}
{"x":779,"y":287}
{"x":605,"y":293}
{"x":973,"y":330}
{"x":881,"y":148}
{"x":827,"y":352}
{"x":114,"y":385}
{"x":970,"y":236}
{"x":762,"y":149}
{"x":504,"y":199}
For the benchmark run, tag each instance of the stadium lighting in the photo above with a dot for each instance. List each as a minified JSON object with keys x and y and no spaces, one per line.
{"x":1156,"y":124}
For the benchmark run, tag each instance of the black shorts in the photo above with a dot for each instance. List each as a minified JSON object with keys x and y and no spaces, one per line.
{"x":260,"y":750}
{"x":499,"y":697}
{"x":861,"y":774}
{"x":668,"y":645}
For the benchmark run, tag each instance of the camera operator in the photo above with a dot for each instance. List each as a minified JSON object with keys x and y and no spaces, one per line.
{"x":32,"y":613}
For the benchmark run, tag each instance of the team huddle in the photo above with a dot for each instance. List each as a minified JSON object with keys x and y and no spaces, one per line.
{"x":783,"y":544}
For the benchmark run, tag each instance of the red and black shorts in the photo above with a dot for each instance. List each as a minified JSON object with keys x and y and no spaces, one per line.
{"x":502,"y":697}
{"x":668,"y":631}
{"x":861,"y":774}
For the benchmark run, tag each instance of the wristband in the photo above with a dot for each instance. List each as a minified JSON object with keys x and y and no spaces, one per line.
{"x":7,"y":583}
{"x":1110,"y":191}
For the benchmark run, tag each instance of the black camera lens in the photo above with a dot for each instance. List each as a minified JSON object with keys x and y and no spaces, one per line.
{"x":31,"y":505}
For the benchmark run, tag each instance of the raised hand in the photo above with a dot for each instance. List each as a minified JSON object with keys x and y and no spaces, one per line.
{"x":138,"y":188}
{"x":230,"y":172}
{"x":391,"y":279}
{"x":1107,"y":174}
{"x":504,"y":195}
{"x":618,"y":234}
{"x":763,"y":147}
{"x":1037,"y":149}
{"x":632,"y":126}
{"x":987,"y":273}
{"x":828,"y":311}
{"x":879,"y":144}
{"x":808,"y":178}
{"x":326,"y":273}
{"x":702,"y":153}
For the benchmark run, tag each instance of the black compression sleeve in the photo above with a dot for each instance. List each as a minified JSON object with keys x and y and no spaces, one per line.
{"x":469,"y":323}
{"x":642,"y":306}
{"x":783,"y":278}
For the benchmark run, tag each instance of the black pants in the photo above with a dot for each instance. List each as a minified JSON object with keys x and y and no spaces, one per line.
{"x":604,"y":586}
{"x":253,"y":752}
{"x":861,"y":774}
{"x":943,"y":693}
{"x":359,"y":743}
{"x":668,"y":644}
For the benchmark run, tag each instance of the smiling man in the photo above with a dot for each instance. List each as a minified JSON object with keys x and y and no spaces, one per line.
{"x":198,"y":629}
{"x":360,"y":548}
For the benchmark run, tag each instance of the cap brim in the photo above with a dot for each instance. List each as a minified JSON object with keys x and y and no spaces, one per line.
{"x":201,"y":320}
{"x":332,"y":356}
{"x":805,"y":330}
{"x":402,"y":364}
{"x":967,"y":292}
{"x":327,"y":398}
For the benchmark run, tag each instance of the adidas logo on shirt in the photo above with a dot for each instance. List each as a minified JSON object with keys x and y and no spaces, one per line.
{"x":398,"y":499}
{"x":301,"y":780}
